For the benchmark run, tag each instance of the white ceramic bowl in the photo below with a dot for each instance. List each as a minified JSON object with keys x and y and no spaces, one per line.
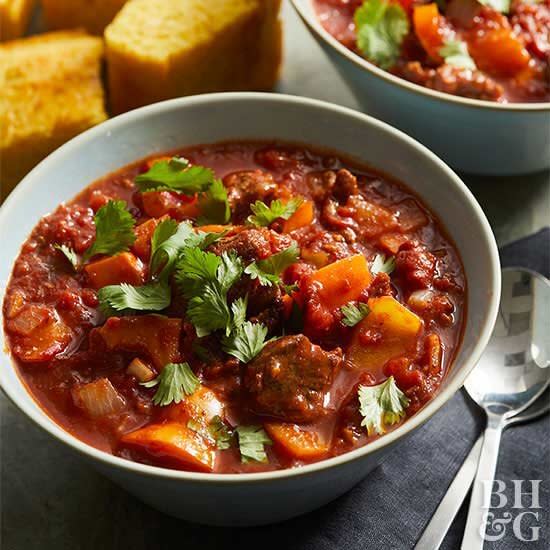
{"x":248,"y":499}
{"x":474,"y":136}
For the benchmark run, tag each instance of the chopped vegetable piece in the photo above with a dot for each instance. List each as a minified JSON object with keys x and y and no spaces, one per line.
{"x":174,"y":443}
{"x":503,"y":6}
{"x":264,"y":215}
{"x":98,"y":398}
{"x":246,"y":342}
{"x":175,"y":175}
{"x":382,"y":405}
{"x":354,"y":314}
{"x":114,"y":230}
{"x":113,"y":270}
{"x":268,"y":271}
{"x":125,"y":298}
{"x":455,"y":52}
{"x":388,"y":331}
{"x":342,"y":281}
{"x":154,"y":336}
{"x":202,"y":406}
{"x":174,"y":382}
{"x":382,"y":265}
{"x":141,"y":370}
{"x":381,"y":27}
{"x":430,"y":29}
{"x":252,"y":441}
{"x":297,"y":442}
{"x":144,"y":234}
{"x":303,"y":217}
{"x":372,"y":218}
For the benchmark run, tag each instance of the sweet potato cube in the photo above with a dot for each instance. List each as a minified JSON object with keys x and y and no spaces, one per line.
{"x":201,"y":406}
{"x":175,"y":443}
{"x":154,"y":336}
{"x":113,"y":270}
{"x":342,"y":281}
{"x":295,"y":441}
{"x":301,"y":218}
{"x":144,"y":233}
{"x":389,"y":330}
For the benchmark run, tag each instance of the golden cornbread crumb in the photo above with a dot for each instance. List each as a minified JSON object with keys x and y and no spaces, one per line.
{"x":51,"y":91}
{"x":14,"y":18}
{"x":92,"y":15}
{"x":160,"y":49}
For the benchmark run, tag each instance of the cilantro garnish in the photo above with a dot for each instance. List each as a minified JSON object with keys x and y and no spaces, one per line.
{"x":175,"y":175}
{"x":353,"y":313}
{"x":245,"y":342}
{"x":204,"y":279}
{"x":214,"y":205}
{"x":238,"y":309}
{"x":252,"y":441}
{"x":503,"y":6}
{"x":265,"y":215}
{"x":381,"y":27}
{"x":69,"y":254}
{"x":220,"y":432}
{"x":381,"y":405}
{"x":125,"y":297}
{"x":114,"y":230}
{"x":455,"y":52}
{"x":174,"y":382}
{"x":167,"y":242}
{"x":382,"y":265}
{"x":268,"y":271}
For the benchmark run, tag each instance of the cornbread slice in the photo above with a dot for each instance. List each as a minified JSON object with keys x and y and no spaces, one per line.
{"x":50,"y":91}
{"x":92,"y":15}
{"x":14,"y":18}
{"x":160,"y":49}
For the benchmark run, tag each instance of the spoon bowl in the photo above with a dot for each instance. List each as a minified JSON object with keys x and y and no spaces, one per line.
{"x":512,"y":373}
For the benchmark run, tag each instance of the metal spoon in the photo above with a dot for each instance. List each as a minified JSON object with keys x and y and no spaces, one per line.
{"x":448,"y":508}
{"x":512,"y":373}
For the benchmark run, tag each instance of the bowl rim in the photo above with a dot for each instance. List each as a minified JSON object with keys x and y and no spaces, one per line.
{"x":33,"y":410}
{"x":321,"y":33}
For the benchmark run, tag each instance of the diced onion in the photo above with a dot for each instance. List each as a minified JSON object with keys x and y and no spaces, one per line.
{"x":420,"y":299}
{"x":98,"y":398}
{"x":141,"y":370}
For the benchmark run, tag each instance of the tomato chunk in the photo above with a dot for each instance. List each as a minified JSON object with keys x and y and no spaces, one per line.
{"x":175,"y":443}
{"x":113,"y":270}
{"x":297,"y":442}
{"x":155,"y":336}
{"x":389,"y":330}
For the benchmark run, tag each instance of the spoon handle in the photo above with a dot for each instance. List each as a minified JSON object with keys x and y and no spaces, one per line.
{"x":480,"y":501}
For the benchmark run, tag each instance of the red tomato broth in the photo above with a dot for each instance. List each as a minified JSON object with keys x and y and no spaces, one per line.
{"x":44,"y":277}
{"x":511,"y":51}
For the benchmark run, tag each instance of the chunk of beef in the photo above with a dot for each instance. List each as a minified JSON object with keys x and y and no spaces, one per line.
{"x":246,"y":187}
{"x":531,"y":22}
{"x":252,"y":244}
{"x":327,"y":183}
{"x":415,"y":265}
{"x":290,"y":378}
{"x":452,"y":80}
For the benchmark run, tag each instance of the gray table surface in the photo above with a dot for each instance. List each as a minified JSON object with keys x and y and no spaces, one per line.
{"x":50,"y":499}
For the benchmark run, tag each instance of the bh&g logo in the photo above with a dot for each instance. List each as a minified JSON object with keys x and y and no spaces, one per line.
{"x":524,"y":517}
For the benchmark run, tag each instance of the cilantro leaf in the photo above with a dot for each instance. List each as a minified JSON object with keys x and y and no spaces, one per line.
{"x":252,"y":441}
{"x":381,"y":27}
{"x":238,"y":309}
{"x":265,"y":215}
{"x":208,"y":311}
{"x":268,"y":271}
{"x":194,"y":268}
{"x":381,"y":405}
{"x":174,"y":382}
{"x":220,"y":432}
{"x":214,"y":205}
{"x":245,"y":342}
{"x":382,"y":265}
{"x":125,"y":297}
{"x":230,"y":270}
{"x":69,"y":254}
{"x":114,"y":230}
{"x":455,"y":52}
{"x":175,"y":175}
{"x":503,"y":6}
{"x":167,"y":242}
{"x":203,"y":240}
{"x":354,"y":314}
